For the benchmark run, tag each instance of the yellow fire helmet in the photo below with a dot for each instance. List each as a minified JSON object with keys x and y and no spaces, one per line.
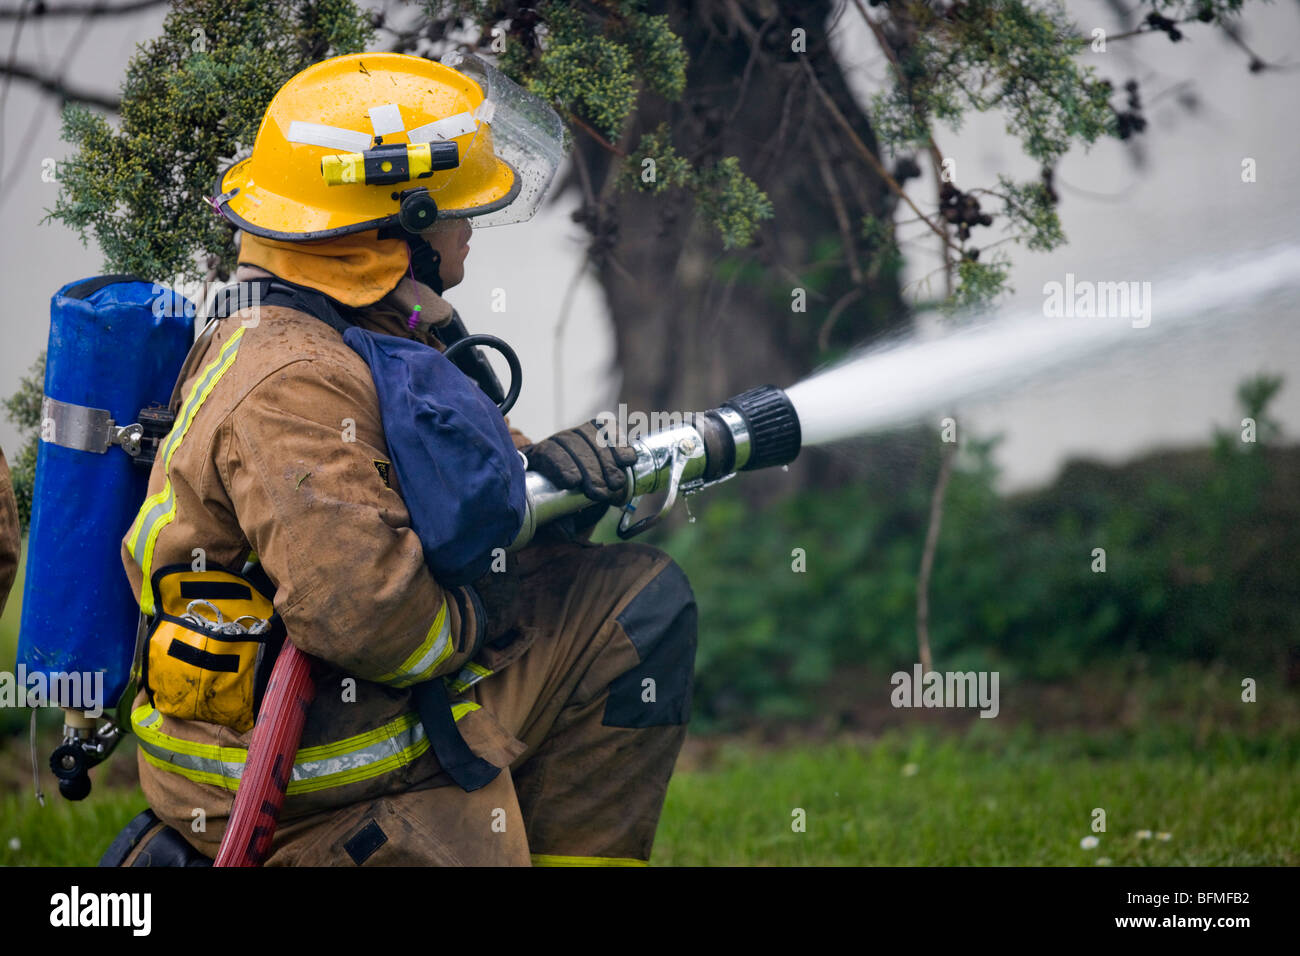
{"x":372,"y":140}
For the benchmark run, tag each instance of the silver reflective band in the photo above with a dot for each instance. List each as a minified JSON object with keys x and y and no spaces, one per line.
{"x":447,"y":128}
{"x":329,"y":137}
{"x":86,"y":429}
{"x":386,"y":119}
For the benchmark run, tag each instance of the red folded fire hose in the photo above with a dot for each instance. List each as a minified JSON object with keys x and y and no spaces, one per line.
{"x":271,"y":753}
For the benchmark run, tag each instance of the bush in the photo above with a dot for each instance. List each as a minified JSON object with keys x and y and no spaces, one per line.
{"x":1200,"y":565}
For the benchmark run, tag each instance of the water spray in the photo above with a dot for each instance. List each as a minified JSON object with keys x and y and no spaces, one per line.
{"x":905,"y":380}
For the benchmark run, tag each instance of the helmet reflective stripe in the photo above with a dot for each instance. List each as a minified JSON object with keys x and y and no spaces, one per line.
{"x":420,"y":666}
{"x":386,"y":119}
{"x":357,"y":758}
{"x":159,"y":510}
{"x":448,"y":128}
{"x":330,"y":137}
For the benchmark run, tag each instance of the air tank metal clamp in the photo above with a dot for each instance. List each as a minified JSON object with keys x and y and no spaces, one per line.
{"x":83,"y":428}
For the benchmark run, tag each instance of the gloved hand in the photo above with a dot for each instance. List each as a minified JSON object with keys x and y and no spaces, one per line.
{"x":581,"y":458}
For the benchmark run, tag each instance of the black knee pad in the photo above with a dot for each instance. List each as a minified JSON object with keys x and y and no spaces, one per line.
{"x":661,"y":623}
{"x":159,"y":845}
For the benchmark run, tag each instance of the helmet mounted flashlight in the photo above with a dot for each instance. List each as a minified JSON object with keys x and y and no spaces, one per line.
{"x":383,"y":165}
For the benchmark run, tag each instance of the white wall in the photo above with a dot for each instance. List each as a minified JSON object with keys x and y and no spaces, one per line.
{"x":1186,"y":210}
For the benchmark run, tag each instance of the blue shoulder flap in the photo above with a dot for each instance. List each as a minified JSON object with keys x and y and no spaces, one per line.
{"x":461,"y":478}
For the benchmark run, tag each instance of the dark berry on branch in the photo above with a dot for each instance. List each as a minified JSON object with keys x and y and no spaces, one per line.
{"x":905,"y":169}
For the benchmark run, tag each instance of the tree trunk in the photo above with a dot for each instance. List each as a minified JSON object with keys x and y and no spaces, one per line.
{"x":696,"y":324}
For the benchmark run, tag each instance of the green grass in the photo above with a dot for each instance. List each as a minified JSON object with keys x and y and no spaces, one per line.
{"x":63,"y":833}
{"x":1009,"y":798}
{"x":966,"y":803}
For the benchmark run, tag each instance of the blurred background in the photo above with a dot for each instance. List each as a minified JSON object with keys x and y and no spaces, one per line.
{"x":1120,"y":689}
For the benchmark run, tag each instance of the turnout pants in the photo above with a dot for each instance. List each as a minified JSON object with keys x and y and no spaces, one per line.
{"x":589,"y":666}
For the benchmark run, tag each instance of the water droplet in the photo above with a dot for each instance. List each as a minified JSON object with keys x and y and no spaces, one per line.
{"x":785,"y":467}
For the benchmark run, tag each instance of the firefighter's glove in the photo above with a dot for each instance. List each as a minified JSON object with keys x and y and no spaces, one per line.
{"x":585,"y":458}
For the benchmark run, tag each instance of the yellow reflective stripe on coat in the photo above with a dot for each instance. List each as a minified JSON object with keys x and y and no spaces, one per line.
{"x":159,"y":510}
{"x":420,"y":666}
{"x":361,"y":757}
{"x":546,"y":859}
{"x":469,"y":675}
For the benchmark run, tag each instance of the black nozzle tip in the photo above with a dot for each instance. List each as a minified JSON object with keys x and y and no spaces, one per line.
{"x":774,"y":433}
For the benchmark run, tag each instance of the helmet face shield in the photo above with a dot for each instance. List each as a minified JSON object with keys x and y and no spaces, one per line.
{"x":526,"y":133}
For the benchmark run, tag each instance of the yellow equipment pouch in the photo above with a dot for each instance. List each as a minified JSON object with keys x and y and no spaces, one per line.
{"x":211,"y":646}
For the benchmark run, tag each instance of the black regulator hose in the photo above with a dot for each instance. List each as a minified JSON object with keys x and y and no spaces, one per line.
{"x":512,"y":360}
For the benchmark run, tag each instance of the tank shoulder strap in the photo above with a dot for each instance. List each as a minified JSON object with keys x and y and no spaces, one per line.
{"x":243,"y":295}
{"x":277,"y":292}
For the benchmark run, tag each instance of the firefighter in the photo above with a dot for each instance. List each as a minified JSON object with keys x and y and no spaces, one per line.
{"x":567,"y":667}
{"x":10,"y":533}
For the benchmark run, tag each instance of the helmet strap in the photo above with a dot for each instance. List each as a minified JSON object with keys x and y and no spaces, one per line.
{"x":414,"y":319}
{"x":425,"y":261}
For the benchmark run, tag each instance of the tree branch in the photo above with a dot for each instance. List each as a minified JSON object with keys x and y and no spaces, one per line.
{"x":596,"y":136}
{"x":55,"y":85}
{"x":927,"y":556}
{"x":870,"y":157}
{"x":97,"y":9}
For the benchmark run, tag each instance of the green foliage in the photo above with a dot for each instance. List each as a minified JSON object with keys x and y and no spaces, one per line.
{"x":1030,"y":210}
{"x":1201,"y":565}
{"x":670,"y":168}
{"x":192,"y":100}
{"x":1025,"y":60}
{"x":1010,"y":55}
{"x":731,"y":202}
{"x":657,"y":51}
{"x":978,"y":283}
{"x":880,"y":246}
{"x":725,"y":197}
{"x":24,"y":410}
{"x":585,"y":73}
{"x":593,"y":62}
{"x":1255,"y":394}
